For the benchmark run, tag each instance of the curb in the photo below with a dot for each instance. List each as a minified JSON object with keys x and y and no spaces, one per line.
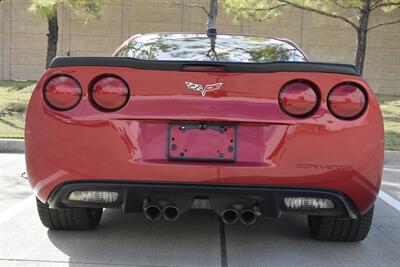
{"x":392,"y":158}
{"x":12,"y":146}
{"x":18,"y":146}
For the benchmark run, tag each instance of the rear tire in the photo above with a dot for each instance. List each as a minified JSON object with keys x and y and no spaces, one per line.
{"x":327,"y":228}
{"x":68,"y":219}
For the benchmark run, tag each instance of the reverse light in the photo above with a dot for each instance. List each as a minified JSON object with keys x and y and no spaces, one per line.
{"x":299,"y":98}
{"x":93,"y":196}
{"x":308,"y":203}
{"x":347,"y":101}
{"x":62,"y":93}
{"x":109,"y":93}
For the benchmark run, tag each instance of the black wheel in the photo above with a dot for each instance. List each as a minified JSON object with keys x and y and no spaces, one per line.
{"x":328,"y":228}
{"x":68,"y":219}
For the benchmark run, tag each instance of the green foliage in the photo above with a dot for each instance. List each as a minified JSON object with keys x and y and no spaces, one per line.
{"x":89,"y":9}
{"x":43,"y":8}
{"x":266,"y":9}
{"x":390,"y":5}
{"x":255,"y":9}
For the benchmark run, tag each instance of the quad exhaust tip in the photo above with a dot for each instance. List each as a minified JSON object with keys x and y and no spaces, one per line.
{"x":230,"y":216}
{"x":152,"y":212}
{"x":155,"y":211}
{"x":248,"y":217}
{"x":171,"y":213}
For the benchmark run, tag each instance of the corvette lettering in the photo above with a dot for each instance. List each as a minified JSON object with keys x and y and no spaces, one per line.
{"x":203,"y":90}
{"x":325,"y":167}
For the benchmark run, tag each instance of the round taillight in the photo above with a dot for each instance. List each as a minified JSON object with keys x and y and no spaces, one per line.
{"x":299,"y":98}
{"x":62,"y":93}
{"x":347,"y":101}
{"x":110,"y":93}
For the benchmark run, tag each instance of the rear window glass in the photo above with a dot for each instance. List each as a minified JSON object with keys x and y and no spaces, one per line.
{"x":200,"y":47}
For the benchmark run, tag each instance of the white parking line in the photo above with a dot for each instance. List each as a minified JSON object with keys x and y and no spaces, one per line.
{"x":389,"y":200}
{"x":391,"y":169}
{"x":17,"y":208}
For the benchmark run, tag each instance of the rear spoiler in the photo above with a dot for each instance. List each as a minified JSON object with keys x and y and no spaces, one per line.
{"x":237,"y":67}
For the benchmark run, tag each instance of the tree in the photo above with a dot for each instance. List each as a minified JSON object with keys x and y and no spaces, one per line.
{"x":211,"y":13}
{"x":361,"y":11}
{"x":89,"y":9}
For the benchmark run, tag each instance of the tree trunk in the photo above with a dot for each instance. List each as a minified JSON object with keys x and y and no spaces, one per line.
{"x":361,"y":50}
{"x":212,"y":16}
{"x":362,"y":32}
{"x":52,"y":38}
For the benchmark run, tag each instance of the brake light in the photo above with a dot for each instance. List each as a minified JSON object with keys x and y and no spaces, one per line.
{"x":62,"y":93}
{"x":347,"y":101}
{"x":204,"y":68}
{"x":109,"y":93}
{"x":299,"y":98}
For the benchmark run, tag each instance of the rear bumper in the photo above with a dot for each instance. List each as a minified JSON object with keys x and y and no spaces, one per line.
{"x":270,"y":199}
{"x":267,"y":155}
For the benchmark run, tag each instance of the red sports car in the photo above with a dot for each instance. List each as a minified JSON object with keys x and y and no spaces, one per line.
{"x":243,"y":124}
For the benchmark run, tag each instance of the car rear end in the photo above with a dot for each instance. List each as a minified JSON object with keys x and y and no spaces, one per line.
{"x":266,"y":138}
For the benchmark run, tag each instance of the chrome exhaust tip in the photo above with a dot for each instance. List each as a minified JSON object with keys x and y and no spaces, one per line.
{"x":230,"y":216}
{"x":152,"y":212}
{"x":171,"y":213}
{"x":248,"y":217}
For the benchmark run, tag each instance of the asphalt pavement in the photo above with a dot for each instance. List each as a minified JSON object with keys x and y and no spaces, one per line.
{"x":197,"y":239}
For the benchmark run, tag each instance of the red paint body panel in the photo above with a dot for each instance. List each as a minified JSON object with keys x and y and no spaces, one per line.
{"x":320,"y":151}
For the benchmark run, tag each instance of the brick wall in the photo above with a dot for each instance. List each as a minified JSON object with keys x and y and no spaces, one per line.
{"x":23,"y":37}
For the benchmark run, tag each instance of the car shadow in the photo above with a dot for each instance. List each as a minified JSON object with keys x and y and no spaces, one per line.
{"x":194,"y":240}
{"x":132,"y":240}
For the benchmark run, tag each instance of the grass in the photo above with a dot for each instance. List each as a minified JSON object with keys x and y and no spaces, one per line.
{"x":14,"y":96}
{"x":390,"y":106}
{"x":12,"y":126}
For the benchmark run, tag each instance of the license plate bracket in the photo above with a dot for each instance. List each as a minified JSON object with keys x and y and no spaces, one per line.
{"x":202,"y":141}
